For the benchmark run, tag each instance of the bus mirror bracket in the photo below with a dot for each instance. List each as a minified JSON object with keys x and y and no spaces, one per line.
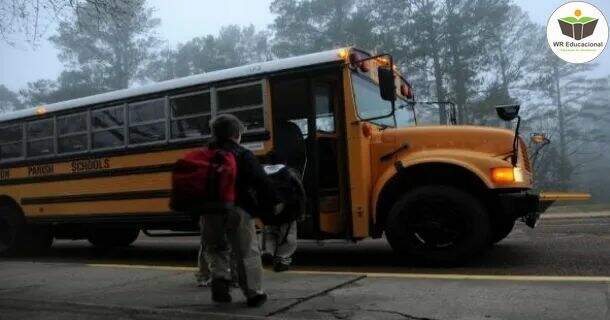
{"x":508,"y":113}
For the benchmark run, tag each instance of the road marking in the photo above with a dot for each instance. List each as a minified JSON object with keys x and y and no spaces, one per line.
{"x":575,"y":215}
{"x":430,"y":276}
{"x":567,"y":225}
{"x":461,"y":276}
{"x":138,"y":266}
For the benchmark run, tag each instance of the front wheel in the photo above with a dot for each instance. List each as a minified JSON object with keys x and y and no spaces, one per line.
{"x":438,"y":224}
{"x":501,"y":229}
{"x":113,"y":237}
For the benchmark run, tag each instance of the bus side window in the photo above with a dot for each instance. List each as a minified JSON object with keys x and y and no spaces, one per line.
{"x":107,"y":128}
{"x":245,"y":102}
{"x":190,"y":115}
{"x":40,"y":135}
{"x":11,"y":142}
{"x":147,"y":121}
{"x":72,"y":133}
{"x":325,"y":119}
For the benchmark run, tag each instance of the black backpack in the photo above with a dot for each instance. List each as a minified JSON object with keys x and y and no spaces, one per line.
{"x":289,"y":189}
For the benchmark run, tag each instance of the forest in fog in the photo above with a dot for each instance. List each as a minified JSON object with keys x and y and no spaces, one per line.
{"x":475,"y":53}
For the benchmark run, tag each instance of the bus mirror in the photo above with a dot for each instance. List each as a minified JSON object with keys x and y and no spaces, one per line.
{"x":508,"y":112}
{"x":387,"y":84}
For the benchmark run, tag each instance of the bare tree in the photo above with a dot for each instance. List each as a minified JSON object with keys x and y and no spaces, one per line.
{"x":29,"y":20}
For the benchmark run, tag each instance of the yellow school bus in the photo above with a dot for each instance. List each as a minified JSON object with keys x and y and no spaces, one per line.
{"x":99,"y":167}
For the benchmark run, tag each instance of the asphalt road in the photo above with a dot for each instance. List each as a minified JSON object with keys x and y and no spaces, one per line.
{"x":560,"y":270}
{"x":556,"y":247}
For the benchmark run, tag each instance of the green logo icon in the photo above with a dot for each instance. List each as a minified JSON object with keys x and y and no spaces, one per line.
{"x":577,"y":27}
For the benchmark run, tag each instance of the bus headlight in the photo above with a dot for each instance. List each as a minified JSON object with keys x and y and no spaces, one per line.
{"x":505,"y":175}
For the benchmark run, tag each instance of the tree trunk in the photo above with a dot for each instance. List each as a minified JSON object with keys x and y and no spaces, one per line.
{"x":438,"y":81}
{"x":564,"y":175}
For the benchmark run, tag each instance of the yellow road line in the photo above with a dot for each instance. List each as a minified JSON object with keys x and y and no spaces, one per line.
{"x":430,"y":276}
{"x":462,"y":276}
{"x":574,"y":215}
{"x":136,"y":266}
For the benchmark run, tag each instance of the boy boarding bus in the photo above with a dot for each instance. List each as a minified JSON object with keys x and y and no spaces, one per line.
{"x":99,"y":167}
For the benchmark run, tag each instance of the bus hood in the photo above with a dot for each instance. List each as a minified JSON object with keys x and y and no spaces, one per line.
{"x":494,"y":141}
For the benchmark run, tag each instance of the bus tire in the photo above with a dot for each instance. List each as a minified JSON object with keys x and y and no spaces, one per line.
{"x":17,"y":237}
{"x":12,"y":231}
{"x":438,"y":224}
{"x":501,"y":229}
{"x":113,"y":237}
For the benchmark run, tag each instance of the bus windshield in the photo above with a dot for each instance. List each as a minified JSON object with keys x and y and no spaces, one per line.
{"x":424,"y":113}
{"x":369,"y":102}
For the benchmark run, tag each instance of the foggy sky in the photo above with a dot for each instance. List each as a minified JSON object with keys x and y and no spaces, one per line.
{"x":182,"y":20}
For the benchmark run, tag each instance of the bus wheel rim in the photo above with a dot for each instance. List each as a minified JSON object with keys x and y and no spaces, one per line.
{"x":435,"y":226}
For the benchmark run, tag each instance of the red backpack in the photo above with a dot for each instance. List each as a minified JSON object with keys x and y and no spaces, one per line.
{"x":204,"y":179}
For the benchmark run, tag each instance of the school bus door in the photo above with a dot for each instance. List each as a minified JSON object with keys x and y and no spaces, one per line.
{"x":301,"y":105}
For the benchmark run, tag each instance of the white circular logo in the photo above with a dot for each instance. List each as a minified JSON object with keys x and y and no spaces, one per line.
{"x":577,"y":32}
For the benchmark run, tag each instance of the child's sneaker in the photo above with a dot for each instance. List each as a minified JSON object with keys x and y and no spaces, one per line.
{"x":202,"y":281}
{"x":257,"y":300}
{"x":221,"y":291}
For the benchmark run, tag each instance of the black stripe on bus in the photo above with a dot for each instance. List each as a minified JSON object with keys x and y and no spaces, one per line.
{"x":131,"y":195}
{"x":127,"y":217}
{"x":166,"y":167}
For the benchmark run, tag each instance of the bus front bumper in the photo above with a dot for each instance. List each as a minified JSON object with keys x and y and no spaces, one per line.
{"x":528,"y":206}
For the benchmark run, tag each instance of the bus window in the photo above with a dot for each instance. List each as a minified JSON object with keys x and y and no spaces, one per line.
{"x":147,"y":121}
{"x":11,"y":142}
{"x":107,"y":126}
{"x":290,"y":102}
{"x":325,"y":119}
{"x":40,"y":138}
{"x":72,"y":133}
{"x":245,"y":102}
{"x":190,"y":115}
